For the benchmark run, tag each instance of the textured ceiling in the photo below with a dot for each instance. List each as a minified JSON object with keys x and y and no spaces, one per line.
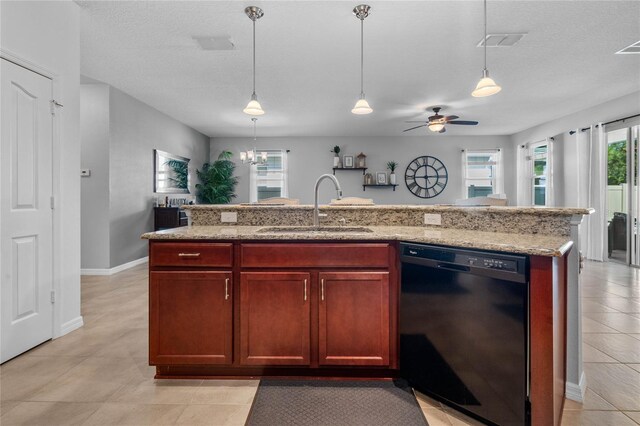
{"x":417,"y":54}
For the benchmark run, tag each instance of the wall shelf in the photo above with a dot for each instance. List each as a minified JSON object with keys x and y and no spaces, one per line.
{"x":373,"y":185}
{"x":364,"y":169}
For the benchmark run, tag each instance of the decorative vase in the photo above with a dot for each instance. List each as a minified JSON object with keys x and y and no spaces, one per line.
{"x":336,"y":161}
{"x":392,"y":178}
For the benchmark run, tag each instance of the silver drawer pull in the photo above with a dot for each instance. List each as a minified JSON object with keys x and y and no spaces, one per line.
{"x":322,"y":289}
{"x":188,"y":254}
{"x":305,"y":289}
{"x":226,"y":289}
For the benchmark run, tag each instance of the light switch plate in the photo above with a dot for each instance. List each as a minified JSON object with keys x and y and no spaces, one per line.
{"x":229,"y":217}
{"x":85,"y":172}
{"x":432,"y":219}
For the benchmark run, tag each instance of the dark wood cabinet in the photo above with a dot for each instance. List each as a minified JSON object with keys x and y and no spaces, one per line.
{"x":275,"y":318}
{"x":169,"y":217}
{"x":354,"y":318}
{"x":190,"y":318}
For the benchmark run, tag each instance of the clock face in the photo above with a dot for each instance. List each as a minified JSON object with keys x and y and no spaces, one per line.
{"x":426,"y":177}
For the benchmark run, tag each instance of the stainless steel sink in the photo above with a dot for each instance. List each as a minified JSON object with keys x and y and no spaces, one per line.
{"x":314,"y":229}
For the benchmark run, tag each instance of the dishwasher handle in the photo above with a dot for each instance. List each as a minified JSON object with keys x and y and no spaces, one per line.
{"x":453,"y":267}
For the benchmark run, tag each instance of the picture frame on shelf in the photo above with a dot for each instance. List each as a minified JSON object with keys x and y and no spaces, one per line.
{"x":347,"y":161}
{"x":381,"y":178}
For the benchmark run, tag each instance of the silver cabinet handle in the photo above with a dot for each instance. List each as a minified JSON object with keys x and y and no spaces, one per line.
{"x":305,"y":289}
{"x":188,"y":254}
{"x":226,"y":289}
{"x":322,"y":289}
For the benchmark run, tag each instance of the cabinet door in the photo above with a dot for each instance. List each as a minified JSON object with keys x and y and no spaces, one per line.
{"x":354,"y":318}
{"x":190,"y":318}
{"x":275,"y":318}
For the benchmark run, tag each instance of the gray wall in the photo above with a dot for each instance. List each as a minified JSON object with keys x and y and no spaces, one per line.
{"x":94,"y":133}
{"x":310,"y":157}
{"x":118,"y":197}
{"x":136,"y":130}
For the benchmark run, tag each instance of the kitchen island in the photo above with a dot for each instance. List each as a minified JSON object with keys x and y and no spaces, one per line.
{"x":287,"y":300}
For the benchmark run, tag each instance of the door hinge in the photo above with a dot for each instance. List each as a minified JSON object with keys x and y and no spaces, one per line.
{"x":53,"y":104}
{"x":53,"y":202}
{"x":53,"y":296}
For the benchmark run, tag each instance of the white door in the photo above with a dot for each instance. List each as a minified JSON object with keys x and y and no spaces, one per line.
{"x":26,"y":226}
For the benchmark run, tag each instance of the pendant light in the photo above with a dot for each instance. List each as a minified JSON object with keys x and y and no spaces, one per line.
{"x":486,"y":86}
{"x":251,"y":156}
{"x":253,"y":107}
{"x":362,"y":106}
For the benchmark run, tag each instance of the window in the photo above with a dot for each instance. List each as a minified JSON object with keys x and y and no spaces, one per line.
{"x":540,"y":173}
{"x":535,"y":173}
{"x":482,"y":172}
{"x":269,"y":180}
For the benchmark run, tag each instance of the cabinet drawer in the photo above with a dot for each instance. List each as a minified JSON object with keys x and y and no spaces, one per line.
{"x":315,"y":255}
{"x":191,"y":254}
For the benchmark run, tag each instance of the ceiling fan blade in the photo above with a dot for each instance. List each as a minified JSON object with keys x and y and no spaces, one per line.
{"x":466,"y":123}
{"x":417,"y":127}
{"x":421,"y":121}
{"x":444,"y":129}
{"x":451,"y":117}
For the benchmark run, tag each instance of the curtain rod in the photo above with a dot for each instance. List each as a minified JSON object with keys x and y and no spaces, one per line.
{"x":608,"y":122}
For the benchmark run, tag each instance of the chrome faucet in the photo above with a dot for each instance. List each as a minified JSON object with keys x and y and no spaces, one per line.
{"x":316,"y":210}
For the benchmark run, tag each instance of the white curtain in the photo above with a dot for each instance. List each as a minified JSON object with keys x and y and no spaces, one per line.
{"x":523,"y":176}
{"x":596,"y":197}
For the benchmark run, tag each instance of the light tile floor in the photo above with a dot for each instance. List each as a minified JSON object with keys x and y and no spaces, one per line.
{"x":98,"y":375}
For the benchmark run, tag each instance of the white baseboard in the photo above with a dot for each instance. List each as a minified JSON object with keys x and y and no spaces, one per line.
{"x":69,"y":326}
{"x":575,"y":392}
{"x":116,"y":269}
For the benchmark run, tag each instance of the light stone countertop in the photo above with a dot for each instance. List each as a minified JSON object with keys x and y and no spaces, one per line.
{"x":562,"y":211}
{"x":537,"y":245}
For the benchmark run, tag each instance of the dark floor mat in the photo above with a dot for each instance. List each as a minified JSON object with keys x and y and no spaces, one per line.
{"x":335,"y":403}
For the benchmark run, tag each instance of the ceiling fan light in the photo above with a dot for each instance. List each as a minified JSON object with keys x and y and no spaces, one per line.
{"x":253,"y":107}
{"x":362,"y":107}
{"x":486,"y":87}
{"x":436,"y":127}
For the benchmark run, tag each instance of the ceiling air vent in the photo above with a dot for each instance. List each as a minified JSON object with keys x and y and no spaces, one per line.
{"x":214,"y":43}
{"x":629,"y":50}
{"x":501,"y":40}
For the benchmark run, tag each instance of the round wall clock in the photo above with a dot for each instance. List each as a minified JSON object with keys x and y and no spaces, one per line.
{"x":426,"y":177}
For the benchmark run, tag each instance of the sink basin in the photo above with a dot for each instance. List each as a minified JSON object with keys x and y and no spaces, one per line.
{"x":314,"y":229}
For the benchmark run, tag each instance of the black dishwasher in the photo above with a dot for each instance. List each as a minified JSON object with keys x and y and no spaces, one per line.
{"x":464,"y":330}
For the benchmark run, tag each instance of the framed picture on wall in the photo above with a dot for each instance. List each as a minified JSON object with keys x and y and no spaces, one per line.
{"x":348,"y":161}
{"x":381,"y":178}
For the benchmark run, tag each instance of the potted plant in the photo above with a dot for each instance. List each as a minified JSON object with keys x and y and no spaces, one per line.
{"x":218,"y":184}
{"x":336,"y":156}
{"x":391,"y":165}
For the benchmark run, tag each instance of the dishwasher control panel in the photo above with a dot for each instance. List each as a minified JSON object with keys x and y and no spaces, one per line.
{"x":491,"y":263}
{"x":443,"y":256}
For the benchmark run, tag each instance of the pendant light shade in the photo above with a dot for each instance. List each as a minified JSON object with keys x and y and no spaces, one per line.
{"x":486,"y":86}
{"x":253,"y":107}
{"x":362,"y":106}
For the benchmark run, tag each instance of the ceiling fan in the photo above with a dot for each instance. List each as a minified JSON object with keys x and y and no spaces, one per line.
{"x":437,"y":122}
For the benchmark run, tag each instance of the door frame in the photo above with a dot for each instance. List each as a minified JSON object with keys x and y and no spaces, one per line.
{"x":56,"y":246}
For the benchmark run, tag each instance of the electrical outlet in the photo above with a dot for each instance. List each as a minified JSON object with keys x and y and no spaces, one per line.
{"x":229,"y":217}
{"x":85,"y":172}
{"x":432,"y":219}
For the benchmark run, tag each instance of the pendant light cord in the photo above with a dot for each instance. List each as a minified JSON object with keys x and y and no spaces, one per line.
{"x":362,"y":57}
{"x":254,"y":58}
{"x":485,"y":36}
{"x":254,"y":129}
